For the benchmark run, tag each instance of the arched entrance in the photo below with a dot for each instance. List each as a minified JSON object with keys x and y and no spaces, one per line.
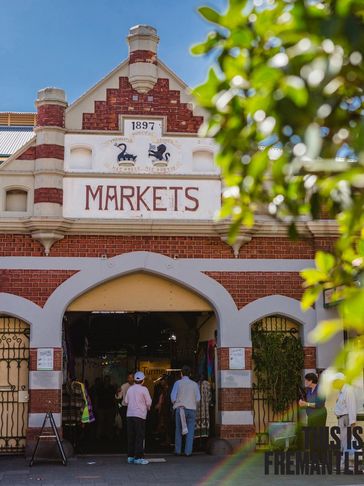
{"x":136,"y":321}
{"x":14,"y":372}
{"x":277,"y":362}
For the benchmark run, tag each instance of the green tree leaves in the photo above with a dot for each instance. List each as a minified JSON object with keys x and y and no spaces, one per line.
{"x":210,"y":14}
{"x":287,"y":110}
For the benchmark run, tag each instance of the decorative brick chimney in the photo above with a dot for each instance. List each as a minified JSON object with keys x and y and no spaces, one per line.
{"x":143,"y":69}
{"x":47,"y":224}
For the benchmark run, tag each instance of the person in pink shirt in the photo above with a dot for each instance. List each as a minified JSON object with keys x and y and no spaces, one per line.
{"x":138,"y":401}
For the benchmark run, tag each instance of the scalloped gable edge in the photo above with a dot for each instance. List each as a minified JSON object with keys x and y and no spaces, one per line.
{"x":182,"y":86}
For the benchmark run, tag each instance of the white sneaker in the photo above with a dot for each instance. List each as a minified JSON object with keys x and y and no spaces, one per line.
{"x":131,"y":460}
{"x":141,"y":461}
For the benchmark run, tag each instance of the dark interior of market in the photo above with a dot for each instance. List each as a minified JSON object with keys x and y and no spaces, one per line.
{"x":100,"y":350}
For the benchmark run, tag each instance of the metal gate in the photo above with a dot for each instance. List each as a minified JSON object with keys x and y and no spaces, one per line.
{"x":14,"y":366}
{"x":262,"y":409}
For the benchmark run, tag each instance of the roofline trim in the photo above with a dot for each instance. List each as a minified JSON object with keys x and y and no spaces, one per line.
{"x":16,"y":154}
{"x":95,"y":86}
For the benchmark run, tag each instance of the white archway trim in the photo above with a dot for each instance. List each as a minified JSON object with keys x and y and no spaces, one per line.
{"x":104,"y":270}
{"x":23,"y":309}
{"x":276,"y":304}
{"x":233,"y":325}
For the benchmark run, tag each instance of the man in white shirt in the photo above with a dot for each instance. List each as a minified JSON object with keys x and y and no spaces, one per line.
{"x":138,"y":401}
{"x":345,"y":410}
{"x":185,"y":395}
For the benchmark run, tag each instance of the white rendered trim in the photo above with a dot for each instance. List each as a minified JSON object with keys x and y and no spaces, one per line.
{"x":36,"y":419}
{"x":200,"y":264}
{"x":42,"y":380}
{"x":237,"y":418}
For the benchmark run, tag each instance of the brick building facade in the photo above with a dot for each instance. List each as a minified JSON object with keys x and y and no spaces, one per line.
{"x":92,"y":198}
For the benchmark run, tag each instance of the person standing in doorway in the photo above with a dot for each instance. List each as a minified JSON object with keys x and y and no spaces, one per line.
{"x":138,"y":401}
{"x":345,"y":410}
{"x":122,"y":407}
{"x":185,"y":397}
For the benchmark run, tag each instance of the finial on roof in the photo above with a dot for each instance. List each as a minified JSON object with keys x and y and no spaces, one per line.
{"x":143,"y":70}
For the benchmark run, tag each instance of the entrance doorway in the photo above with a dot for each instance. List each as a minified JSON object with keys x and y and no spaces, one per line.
{"x":14,"y":372}
{"x":112,"y":332}
{"x":101,"y":349}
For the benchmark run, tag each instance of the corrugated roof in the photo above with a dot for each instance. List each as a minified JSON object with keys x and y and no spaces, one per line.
{"x":17,"y":118}
{"x":18,"y":112}
{"x":13,"y":138}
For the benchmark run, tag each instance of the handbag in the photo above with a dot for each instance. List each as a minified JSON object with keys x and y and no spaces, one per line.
{"x":118,"y":421}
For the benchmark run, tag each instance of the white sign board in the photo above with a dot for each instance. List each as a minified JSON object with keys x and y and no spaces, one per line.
{"x":141,"y":198}
{"x":141,"y":148}
{"x":45,"y":359}
{"x":237,"y":358}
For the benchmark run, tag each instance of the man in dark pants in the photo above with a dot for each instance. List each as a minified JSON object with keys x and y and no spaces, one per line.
{"x":138,"y":401}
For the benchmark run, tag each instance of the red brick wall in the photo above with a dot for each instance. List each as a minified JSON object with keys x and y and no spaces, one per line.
{"x":41,"y":401}
{"x":28,"y":154}
{"x":49,"y":150}
{"x":310,"y":357}
{"x":143,"y":56}
{"x":172,"y":246}
{"x":248,"y":358}
{"x":48,"y":194}
{"x":244,"y":433}
{"x":235,"y":399}
{"x":36,"y":285}
{"x":33,"y":433}
{"x":43,"y":151}
{"x":326,"y":244}
{"x":280,"y":247}
{"x":223,"y":358}
{"x":19,"y":245}
{"x":165,"y":102}
{"x":50,"y":115}
{"x":245,"y":287}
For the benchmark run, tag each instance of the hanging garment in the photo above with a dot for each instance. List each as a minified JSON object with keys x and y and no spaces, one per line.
{"x":87,"y":414}
{"x":73,"y":403}
{"x":202,"y":428}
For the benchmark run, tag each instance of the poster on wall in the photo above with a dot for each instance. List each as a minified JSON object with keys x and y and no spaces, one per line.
{"x":236,"y":358}
{"x":45,"y":359}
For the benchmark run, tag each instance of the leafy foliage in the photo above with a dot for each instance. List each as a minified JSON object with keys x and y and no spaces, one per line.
{"x":278,"y":362}
{"x":286,"y":100}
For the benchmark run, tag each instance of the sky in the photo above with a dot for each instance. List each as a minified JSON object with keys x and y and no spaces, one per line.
{"x":72,"y":44}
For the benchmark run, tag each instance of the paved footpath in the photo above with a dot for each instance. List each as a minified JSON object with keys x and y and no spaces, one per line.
{"x":199,"y":469}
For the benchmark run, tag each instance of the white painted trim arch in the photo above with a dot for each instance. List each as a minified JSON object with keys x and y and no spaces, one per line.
{"x":26,"y":310}
{"x":276,"y":304}
{"x":105,"y":270}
